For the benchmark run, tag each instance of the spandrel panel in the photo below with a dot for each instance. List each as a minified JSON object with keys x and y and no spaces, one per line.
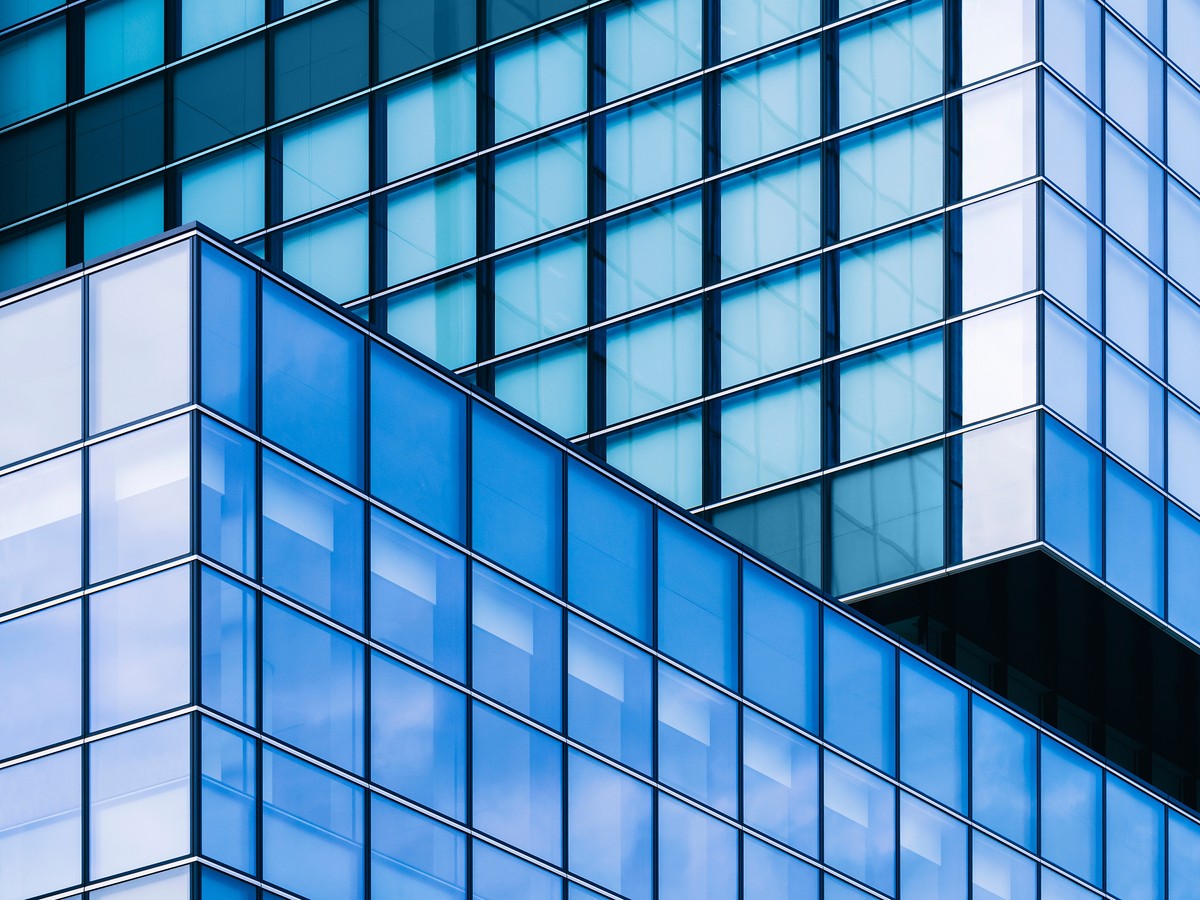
{"x":654,"y":361}
{"x":697,"y":854}
{"x":748,"y":24}
{"x":770,"y":433}
{"x":999,"y":361}
{"x":999,"y":134}
{"x":769,"y":103}
{"x":999,"y":486}
{"x":41,"y":825}
{"x":859,"y":819}
{"x":933,"y":852}
{"x":40,"y":680}
{"x":999,"y":248}
{"x":996,"y":37}
{"x":412,"y":854}
{"x":933,"y":733}
{"x":540,"y":79}
{"x":780,"y":783}
{"x":653,"y":254}
{"x":770,"y":214}
{"x":653,"y":145}
{"x":33,"y":71}
{"x":650,"y":42}
{"x":430,"y":119}
{"x":770,"y":323}
{"x":41,"y":536}
{"x":609,"y":827}
{"x":697,"y":739}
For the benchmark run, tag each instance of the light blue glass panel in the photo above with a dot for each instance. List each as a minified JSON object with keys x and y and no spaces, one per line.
{"x":540,"y":79}
{"x":653,"y":253}
{"x":653,"y":361}
{"x":25,"y":257}
{"x":40,"y":680}
{"x":549,"y":386}
{"x":609,"y":704}
{"x":122,"y":218}
{"x":418,"y":737}
{"x":1133,"y":192}
{"x":887,"y":520}
{"x":1073,"y":259}
{"x":650,"y":42}
{"x":768,"y":872}
{"x":770,"y":102}
{"x":121,"y":38}
{"x":1185,"y":19}
{"x":664,"y":455}
{"x":779,"y":640}
{"x":697,"y":854}
{"x":770,"y":323}
{"x":540,"y":186}
{"x":138,"y":499}
{"x":609,"y":827}
{"x":770,"y":214}
{"x":1003,"y":773}
{"x":890,"y":172}
{"x":414,"y":856}
{"x":889,"y":61}
{"x":431,"y":120}
{"x":139,"y":347}
{"x":228,"y":646}
{"x":312,"y":540}
{"x":497,"y":876}
{"x":1072,"y":501}
{"x":780,"y":783}
{"x":324,"y":160}
{"x":933,"y":852}
{"x":516,"y":498}
{"x":609,"y":550}
{"x":139,"y":644}
{"x":770,"y":433}
{"x":1183,"y":125}
{"x":41,"y":520}
{"x":209,"y":189}
{"x":1183,"y":336}
{"x":1000,"y":873}
{"x":1134,"y":537}
{"x":1074,"y":365}
{"x":860,"y":692}
{"x":890,"y":284}
{"x":437,"y":318}
{"x":1133,"y":308}
{"x":1183,"y":856}
{"x":1071,"y":810}
{"x":312,"y":383}
{"x":33,"y":71}
{"x":1134,"y":412}
{"x":697,"y":740}
{"x":1133,"y":842}
{"x":516,"y":780}
{"x":749,"y":24}
{"x":859,"y":821}
{"x":330,"y":254}
{"x":228,"y":795}
{"x":312,"y":687}
{"x":1133,"y":77}
{"x":1071,"y":34}
{"x":418,"y":595}
{"x":697,"y":600}
{"x":430,"y":224}
{"x":1183,"y":222}
{"x":1072,"y":145}
{"x":41,"y":826}
{"x":204,"y":22}
{"x":933,"y":733}
{"x":1183,"y":570}
{"x":227,"y":497}
{"x":516,"y":646}
{"x":652,"y":145}
{"x":228,"y":332}
{"x":139,"y":799}
{"x":891,"y":396}
{"x":541,"y":292}
{"x":312,"y":829}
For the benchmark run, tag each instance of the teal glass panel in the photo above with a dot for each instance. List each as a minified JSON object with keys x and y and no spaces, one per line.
{"x":320,"y":57}
{"x":1134,"y":537}
{"x":228,"y":340}
{"x":933,"y":852}
{"x":653,"y":361}
{"x":414,"y":33}
{"x":652,"y":145}
{"x":933,"y":733}
{"x":40,"y":531}
{"x":228,"y":795}
{"x":859,"y":692}
{"x":539,"y":79}
{"x":540,"y":186}
{"x":770,"y":213}
{"x":430,"y":120}
{"x":697,"y":854}
{"x":41,"y":826}
{"x":19,"y":10}
{"x":697,"y":740}
{"x":650,"y":42}
{"x":784,"y":526}
{"x":549,"y":386}
{"x":1074,"y":364}
{"x":228,"y":646}
{"x":770,"y":433}
{"x":664,"y":455}
{"x":1134,"y":412}
{"x":34,"y":159}
{"x":653,"y":254}
{"x":610,"y":827}
{"x":430,"y":224}
{"x":209,"y":188}
{"x":123,"y":218}
{"x":1072,"y":500}
{"x":219,"y":96}
{"x":329,"y":254}
{"x":325,"y":160}
{"x":541,"y":292}
{"x":779,"y":643}
{"x":505,"y":16}
{"x":30,"y":254}
{"x":1003,"y":773}
{"x":889,"y":61}
{"x":859,"y":819}
{"x":414,"y":856}
{"x":41,"y":684}
{"x":770,"y":323}
{"x":1072,"y":802}
{"x":205,"y":22}
{"x":121,"y":38}
{"x":228,"y":495}
{"x":780,"y":783}
{"x":1135,"y":828}
{"x":33,"y":71}
{"x":749,"y":24}
{"x":437,"y":318}
{"x":770,"y":103}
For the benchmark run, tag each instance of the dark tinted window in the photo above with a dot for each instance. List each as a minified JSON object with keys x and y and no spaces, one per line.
{"x":118,"y":136}
{"x":320,"y":57}
{"x":218,"y":97}
{"x":34,"y":162}
{"x":413,"y":33}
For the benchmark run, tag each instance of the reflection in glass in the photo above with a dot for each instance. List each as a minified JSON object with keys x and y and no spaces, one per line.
{"x":40,"y":530}
{"x":609,"y":827}
{"x":40,"y":825}
{"x":999,"y":486}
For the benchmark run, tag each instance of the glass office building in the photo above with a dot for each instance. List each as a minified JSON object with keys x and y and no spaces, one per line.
{"x":289,"y":613}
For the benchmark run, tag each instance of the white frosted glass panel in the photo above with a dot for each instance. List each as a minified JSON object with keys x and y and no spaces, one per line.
{"x":999,"y":248}
{"x":999,"y":127}
{"x":999,"y":371}
{"x":997,"y":35}
{"x":999,"y":494}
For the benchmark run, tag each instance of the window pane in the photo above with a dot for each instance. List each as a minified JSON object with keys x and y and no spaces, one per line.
{"x":413,"y":856}
{"x":40,"y":531}
{"x":999,"y":134}
{"x":41,"y":827}
{"x":118,"y":136}
{"x":697,"y":854}
{"x":999,"y":371}
{"x":33,"y":71}
{"x":784,"y":526}
{"x":747,"y":24}
{"x":218,"y":97}
{"x":228,"y":795}
{"x":933,"y":733}
{"x":1073,"y":259}
{"x":889,"y":61}
{"x":1133,"y":196}
{"x":652,"y":145}
{"x":1074,"y":370}
{"x":1183,"y":570}
{"x":767,"y":872}
{"x":999,"y":873}
{"x":999,"y":486}
{"x":321,"y":57}
{"x":1133,"y":842}
{"x":1134,"y":537}
{"x":329,"y":254}
{"x":540,"y":186}
{"x":1183,"y":849}
{"x":652,"y":254}
{"x":779,"y":639}
{"x":653,"y":361}
{"x":1071,"y":505}
{"x":228,"y":646}
{"x":996,"y":37}
{"x":413,"y":33}
{"x":1003,"y":773}
{"x":540,"y":79}
{"x":1072,"y":141}
{"x":206,"y":22}
{"x":228,"y":313}
{"x":209,"y":189}
{"x":549,"y":385}
{"x":31,"y":253}
{"x":770,"y":433}
{"x":1134,"y":412}
{"x":325,"y":160}
{"x":35,"y":162}
{"x":228,"y":495}
{"x":540,"y":292}
{"x":1183,"y":445}
{"x":697,"y":739}
{"x":933,"y":852}
{"x":1134,"y":80}
{"x":437,"y":318}
{"x":770,"y":323}
{"x":609,"y":827}
{"x":496,"y":875}
{"x":780,"y":783}
{"x":860,"y":692}
{"x":430,"y":224}
{"x":770,"y":214}
{"x":122,"y":38}
{"x":430,"y":119}
{"x":1072,"y":810}
{"x":664,"y":455}
{"x":40,"y":687}
{"x":860,"y":823}
{"x":123,"y":218}
{"x":650,"y":42}
{"x":1133,"y":305}
{"x":769,"y":103}
{"x":999,"y":248}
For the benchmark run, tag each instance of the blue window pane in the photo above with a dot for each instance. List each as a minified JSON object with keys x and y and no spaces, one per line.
{"x":664,"y":455}
{"x":1072,"y":810}
{"x":1183,"y":856}
{"x":1183,"y":335}
{"x":780,"y":783}
{"x":890,"y":172}
{"x":228,"y":766}
{"x":748,"y":24}
{"x":779,"y":639}
{"x":418,"y":442}
{"x":933,"y":733}
{"x":31,"y":254}
{"x":228,"y":349}
{"x":541,"y":292}
{"x":1072,"y":145}
{"x":227,"y":496}
{"x":516,"y":498}
{"x":650,"y":42}
{"x":890,"y":284}
{"x":40,"y":687}
{"x":139,"y":641}
{"x":1073,"y":259}
{"x":1134,"y":412}
{"x":226,"y":191}
{"x":770,"y":433}
{"x":609,"y":704}
{"x":1183,"y":123}
{"x":697,"y":740}
{"x":418,"y":595}
{"x":1074,"y":365}
{"x":860,"y":823}
{"x":1003,"y":773}
{"x":1133,"y":842}
{"x":330,"y":254}
{"x":19,"y":10}
{"x":516,"y":646}
{"x":437,"y":318}
{"x":324,"y":160}
{"x":228,"y":646}
{"x":431,"y":120}
{"x":697,"y":854}
{"x":697,"y":600}
{"x":1072,"y":501}
{"x":312,"y":383}
{"x":540,"y":79}
{"x":40,"y":531}
{"x":121,"y":38}
{"x":652,"y":254}
{"x":41,"y":826}
{"x":767,"y":872}
{"x":770,"y":323}
{"x":609,"y":550}
{"x":33,"y":71}
{"x":139,"y":499}
{"x":769,"y":103}
{"x":1133,"y":308}
{"x":206,"y":22}
{"x":540,"y":186}
{"x":1059,"y":887}
{"x":1133,"y":196}
{"x":654,"y":361}
{"x":609,"y":827}
{"x":549,"y":386}
{"x":1134,"y":80}
{"x":418,"y":737}
{"x":887,"y":520}
{"x":123,"y":218}
{"x":312,"y":686}
{"x":889,"y":61}
{"x":139,"y":337}
{"x":413,"y":856}
{"x":770,"y":213}
{"x":312,"y":536}
{"x":1183,"y":570}
{"x":999,"y":873}
{"x":312,"y":822}
{"x":891,"y":396}
{"x":430,"y":224}
{"x":516,"y":777}
{"x":139,"y":798}
{"x":1134,"y":537}
{"x":1183,"y":219}
{"x":216,"y":885}
{"x":497,"y":876}
{"x":860,"y":692}
{"x":933,"y":852}
{"x":652,"y":145}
